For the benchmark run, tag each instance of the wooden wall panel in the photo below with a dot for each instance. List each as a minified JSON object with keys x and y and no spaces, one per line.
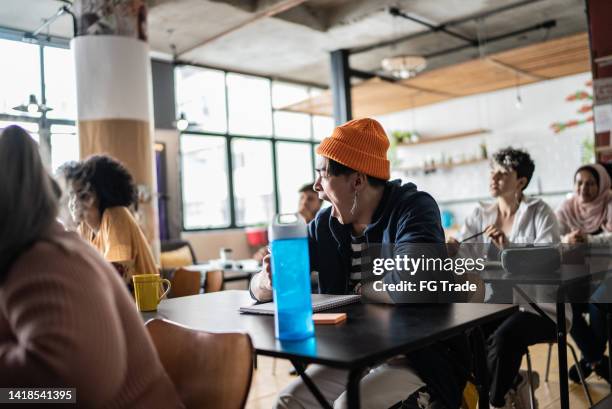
{"x":550,"y":59}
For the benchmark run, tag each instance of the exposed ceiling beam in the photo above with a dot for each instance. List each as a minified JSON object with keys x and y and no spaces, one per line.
{"x":548,"y":24}
{"x":471,"y":17}
{"x":267,"y":9}
{"x":395,"y":12}
{"x":237,"y":71}
{"x":516,"y":70}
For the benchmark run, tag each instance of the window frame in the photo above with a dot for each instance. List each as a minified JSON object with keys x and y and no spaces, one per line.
{"x":44,"y":123}
{"x":181,"y":190}
{"x":229,"y":137}
{"x":273,"y":139}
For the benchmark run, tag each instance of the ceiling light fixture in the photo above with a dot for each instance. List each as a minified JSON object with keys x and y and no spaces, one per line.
{"x":404,"y":66}
{"x":182,"y":123}
{"x":32,"y":107}
{"x":519,"y":101}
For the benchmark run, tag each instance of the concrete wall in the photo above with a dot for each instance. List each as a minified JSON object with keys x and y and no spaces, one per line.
{"x":164,"y":107}
{"x":166,"y":133}
{"x":556,"y":155}
{"x":170,"y":138}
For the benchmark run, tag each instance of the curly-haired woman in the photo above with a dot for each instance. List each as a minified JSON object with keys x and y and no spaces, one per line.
{"x":65,"y":318}
{"x":103,"y":191}
{"x":513,"y":219}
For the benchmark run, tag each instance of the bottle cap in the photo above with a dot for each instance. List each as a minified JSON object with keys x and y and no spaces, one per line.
{"x":287,"y":226}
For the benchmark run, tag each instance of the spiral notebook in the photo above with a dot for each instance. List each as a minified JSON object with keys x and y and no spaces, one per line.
{"x":320,"y":302}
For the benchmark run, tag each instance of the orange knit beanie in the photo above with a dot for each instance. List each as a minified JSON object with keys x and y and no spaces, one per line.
{"x":360,"y":144}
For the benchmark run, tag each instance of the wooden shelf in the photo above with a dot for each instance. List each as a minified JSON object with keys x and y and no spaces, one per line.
{"x":603,"y":149}
{"x":604,"y":61}
{"x":447,"y":137}
{"x":445,"y":166}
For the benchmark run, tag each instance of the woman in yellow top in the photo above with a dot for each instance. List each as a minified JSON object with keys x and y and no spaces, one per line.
{"x":103,"y":191}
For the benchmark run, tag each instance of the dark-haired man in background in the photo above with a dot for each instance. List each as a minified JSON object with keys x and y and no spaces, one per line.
{"x":309,"y":203}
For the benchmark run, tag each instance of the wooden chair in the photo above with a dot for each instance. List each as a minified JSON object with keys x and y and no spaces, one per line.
{"x":176,"y":254}
{"x":214,"y":281}
{"x":171,"y":245}
{"x":208,"y":370}
{"x":185,"y":282}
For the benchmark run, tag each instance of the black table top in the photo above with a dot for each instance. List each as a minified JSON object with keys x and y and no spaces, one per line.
{"x":566,"y":275}
{"x":372,"y":332}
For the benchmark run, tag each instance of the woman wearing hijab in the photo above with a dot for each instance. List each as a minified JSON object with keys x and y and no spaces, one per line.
{"x":586,"y":217}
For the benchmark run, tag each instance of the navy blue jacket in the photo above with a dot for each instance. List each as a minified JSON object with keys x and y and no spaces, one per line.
{"x":404,"y":216}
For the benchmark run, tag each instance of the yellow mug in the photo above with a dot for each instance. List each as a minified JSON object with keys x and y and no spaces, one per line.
{"x":147,"y":289}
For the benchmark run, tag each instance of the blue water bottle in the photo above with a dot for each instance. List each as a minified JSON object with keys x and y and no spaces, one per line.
{"x":288,"y":236}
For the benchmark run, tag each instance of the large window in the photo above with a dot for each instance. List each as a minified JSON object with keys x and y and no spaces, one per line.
{"x":31,"y":127}
{"x":205,"y":190}
{"x":293,"y":172}
{"x":322,"y":126}
{"x":253,"y":181}
{"x":292,"y":125}
{"x":201,"y":96}
{"x":60,"y":83}
{"x":54,"y":85}
{"x":249,"y":105}
{"x":64,"y":145}
{"x":19,"y":74}
{"x":258,"y":153}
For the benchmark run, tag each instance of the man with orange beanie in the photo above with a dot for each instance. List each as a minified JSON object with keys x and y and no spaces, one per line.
{"x":367,"y":210}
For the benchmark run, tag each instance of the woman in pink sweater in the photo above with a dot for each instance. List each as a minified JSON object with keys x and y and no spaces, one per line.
{"x":65,"y":317}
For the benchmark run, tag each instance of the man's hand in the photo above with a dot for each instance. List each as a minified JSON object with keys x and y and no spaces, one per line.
{"x":261,"y":283}
{"x":266,"y":271}
{"x":497,"y":236}
{"x":452,"y":246}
